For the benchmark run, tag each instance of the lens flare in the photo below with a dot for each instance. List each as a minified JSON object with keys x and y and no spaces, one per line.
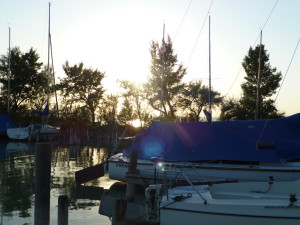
{"x":153,"y":149}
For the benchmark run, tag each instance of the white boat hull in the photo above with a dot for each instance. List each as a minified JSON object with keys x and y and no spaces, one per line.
{"x":24,"y":133}
{"x":118,"y":167}
{"x":179,"y":217}
{"x":21,"y":133}
{"x":246,"y":208}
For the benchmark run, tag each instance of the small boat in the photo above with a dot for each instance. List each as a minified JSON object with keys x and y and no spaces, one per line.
{"x":31,"y":131}
{"x":250,"y":150}
{"x":247,"y":203}
{"x":155,"y":170}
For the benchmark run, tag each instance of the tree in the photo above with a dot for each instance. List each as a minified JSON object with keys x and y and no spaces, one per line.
{"x":126,"y":112}
{"x":231,"y":109}
{"x":269,"y":82}
{"x":82,"y":87}
{"x":108,"y":110}
{"x":165,"y":82}
{"x":134,"y":105}
{"x":195,"y":97}
{"x":28,"y":81}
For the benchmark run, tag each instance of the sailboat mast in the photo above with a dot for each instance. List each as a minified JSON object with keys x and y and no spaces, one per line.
{"x":54,"y":78}
{"x":48,"y":63}
{"x":162,"y":76}
{"x":257,"y":110}
{"x":209,"y":82}
{"x":9,"y":73}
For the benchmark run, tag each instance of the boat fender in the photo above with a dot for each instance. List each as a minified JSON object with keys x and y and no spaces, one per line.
{"x":179,"y":198}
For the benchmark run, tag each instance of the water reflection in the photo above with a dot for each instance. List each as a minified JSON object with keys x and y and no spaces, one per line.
{"x":26,"y":193}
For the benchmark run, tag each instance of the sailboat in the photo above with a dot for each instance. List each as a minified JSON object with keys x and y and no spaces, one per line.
{"x":33,"y":131}
{"x":5,"y":120}
{"x":228,"y":204}
{"x":249,"y":150}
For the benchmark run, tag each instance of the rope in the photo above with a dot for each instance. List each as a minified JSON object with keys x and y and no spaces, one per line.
{"x":254,"y":44}
{"x":287,"y":69}
{"x":183,"y":19}
{"x":270,"y":15}
{"x":237,"y":133}
{"x":200,"y":32}
{"x":265,"y":125}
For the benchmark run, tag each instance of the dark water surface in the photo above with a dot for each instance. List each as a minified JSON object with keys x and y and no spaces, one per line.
{"x":33,"y":176}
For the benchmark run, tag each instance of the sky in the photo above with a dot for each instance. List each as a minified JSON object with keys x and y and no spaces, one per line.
{"x":114,"y":37}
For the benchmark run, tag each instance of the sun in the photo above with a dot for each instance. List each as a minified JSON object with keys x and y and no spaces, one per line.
{"x":136,"y":123}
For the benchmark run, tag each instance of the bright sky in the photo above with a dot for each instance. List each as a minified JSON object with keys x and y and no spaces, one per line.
{"x":114,"y":37}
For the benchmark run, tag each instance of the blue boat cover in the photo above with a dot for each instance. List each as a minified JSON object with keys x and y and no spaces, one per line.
{"x":276,"y":140}
{"x":45,"y":112}
{"x":5,"y":122}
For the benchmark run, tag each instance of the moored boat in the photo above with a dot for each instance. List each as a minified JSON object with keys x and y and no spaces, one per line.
{"x":31,"y":131}
{"x":289,"y":171}
{"x":251,"y":150}
{"x":231,"y":204}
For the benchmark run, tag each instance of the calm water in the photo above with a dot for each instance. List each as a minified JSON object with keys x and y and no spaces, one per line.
{"x":30,"y":173}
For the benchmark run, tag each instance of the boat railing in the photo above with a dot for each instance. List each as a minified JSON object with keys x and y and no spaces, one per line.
{"x":173,"y":172}
{"x":181,"y":174}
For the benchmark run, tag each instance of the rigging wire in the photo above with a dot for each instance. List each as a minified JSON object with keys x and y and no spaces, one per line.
{"x":287,"y":71}
{"x":254,"y":44}
{"x":208,"y":12}
{"x":265,"y":125}
{"x":182,"y":19}
{"x":269,"y":15}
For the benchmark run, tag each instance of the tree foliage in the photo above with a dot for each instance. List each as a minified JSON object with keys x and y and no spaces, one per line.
{"x":126,"y":113}
{"x":269,"y":82}
{"x":269,"y":78}
{"x":28,"y":81}
{"x":82,"y":87}
{"x":195,"y":98}
{"x":134,"y":106}
{"x":165,"y":82}
{"x":108,"y":110}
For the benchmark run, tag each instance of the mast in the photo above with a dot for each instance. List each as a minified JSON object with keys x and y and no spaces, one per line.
{"x":257,"y":109}
{"x":56,"y":101}
{"x":49,"y":70}
{"x":48,"y":63}
{"x":162,"y":76}
{"x":209,"y":93}
{"x":208,"y":113}
{"x":9,"y":73}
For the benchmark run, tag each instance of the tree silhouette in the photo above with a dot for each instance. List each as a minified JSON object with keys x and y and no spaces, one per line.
{"x":269,"y":82}
{"x":82,"y":87}
{"x":165,"y":82}
{"x":195,"y":98}
{"x":134,"y":101}
{"x":28,"y":81}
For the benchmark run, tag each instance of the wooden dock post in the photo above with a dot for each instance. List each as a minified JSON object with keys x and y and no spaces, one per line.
{"x":132,"y":169}
{"x":42,"y":184}
{"x":62,"y":215}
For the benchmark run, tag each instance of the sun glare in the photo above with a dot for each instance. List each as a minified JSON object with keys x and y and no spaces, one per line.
{"x":136,"y":123}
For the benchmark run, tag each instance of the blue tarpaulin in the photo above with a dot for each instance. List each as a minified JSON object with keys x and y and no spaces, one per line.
{"x":5,"y":122}
{"x":279,"y":140}
{"x":45,"y":112}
